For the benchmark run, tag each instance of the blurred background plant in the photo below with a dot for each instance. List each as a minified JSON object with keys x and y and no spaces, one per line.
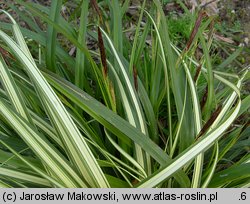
{"x":122,"y":94}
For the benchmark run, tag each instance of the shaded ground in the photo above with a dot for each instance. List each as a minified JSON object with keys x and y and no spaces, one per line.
{"x":232,"y":25}
{"x":235,"y":12}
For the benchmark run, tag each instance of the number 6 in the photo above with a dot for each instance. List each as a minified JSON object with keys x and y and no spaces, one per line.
{"x":243,"y":196}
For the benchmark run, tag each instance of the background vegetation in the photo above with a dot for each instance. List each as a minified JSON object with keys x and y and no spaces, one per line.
{"x":121,"y":94}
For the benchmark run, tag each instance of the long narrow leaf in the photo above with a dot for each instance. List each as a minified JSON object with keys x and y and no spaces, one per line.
{"x":76,"y":147}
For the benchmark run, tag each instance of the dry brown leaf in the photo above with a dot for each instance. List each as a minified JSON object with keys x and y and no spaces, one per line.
{"x":221,"y":38}
{"x":211,"y":7}
{"x":224,"y":39}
